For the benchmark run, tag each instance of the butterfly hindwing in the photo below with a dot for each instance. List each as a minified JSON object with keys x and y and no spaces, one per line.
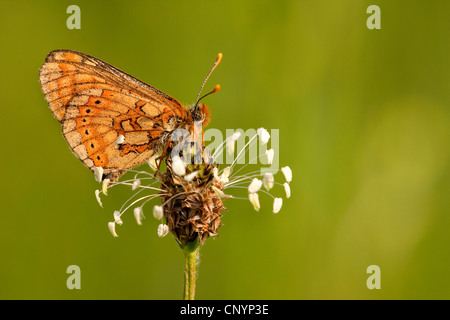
{"x":96,"y":103}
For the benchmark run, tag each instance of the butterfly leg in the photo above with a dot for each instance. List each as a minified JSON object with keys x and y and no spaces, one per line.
{"x":163,"y":154}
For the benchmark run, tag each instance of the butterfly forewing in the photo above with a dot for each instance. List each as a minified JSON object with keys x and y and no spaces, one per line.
{"x":96,"y":103}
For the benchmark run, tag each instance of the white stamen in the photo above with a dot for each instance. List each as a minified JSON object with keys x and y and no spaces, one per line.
{"x":225,"y":175}
{"x":220,"y":193}
{"x":231,"y":142}
{"x":178,"y":166}
{"x":158,"y":212}
{"x":138,"y":215}
{"x":120,"y":139}
{"x":270,"y":153}
{"x":268,"y":181}
{"x":112,"y":229}
{"x":254,"y":199}
{"x":277,"y":203}
{"x":264,"y":135}
{"x":97,"y":195}
{"x":287,"y":189}
{"x":215,"y":172}
{"x":136,"y":184}
{"x":287,"y":173}
{"x":189,"y":177}
{"x":98,"y":174}
{"x":163,"y":230}
{"x":255,"y":185}
{"x":230,"y":146}
{"x":236,"y":136}
{"x":117,"y":219}
{"x":105,"y":186}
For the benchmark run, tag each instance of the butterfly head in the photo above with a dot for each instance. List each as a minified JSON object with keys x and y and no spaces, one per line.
{"x":201,"y":113}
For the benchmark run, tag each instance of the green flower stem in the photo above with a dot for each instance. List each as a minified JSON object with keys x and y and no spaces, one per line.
{"x":191,"y":253}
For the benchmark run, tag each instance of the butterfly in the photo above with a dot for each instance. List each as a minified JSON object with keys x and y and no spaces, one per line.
{"x":110,"y":119}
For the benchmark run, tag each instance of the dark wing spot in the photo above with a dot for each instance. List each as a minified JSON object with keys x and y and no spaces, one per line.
{"x":97,"y":102}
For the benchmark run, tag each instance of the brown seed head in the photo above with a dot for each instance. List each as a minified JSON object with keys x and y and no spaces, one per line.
{"x":192,"y":208}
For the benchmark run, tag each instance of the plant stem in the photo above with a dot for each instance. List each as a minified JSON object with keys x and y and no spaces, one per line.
{"x":190,"y":271}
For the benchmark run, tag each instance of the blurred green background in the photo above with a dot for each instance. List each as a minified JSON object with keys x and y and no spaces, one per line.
{"x":364,"y":123}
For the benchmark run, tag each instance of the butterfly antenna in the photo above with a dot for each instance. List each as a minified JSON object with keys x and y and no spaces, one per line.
{"x":216,"y":88}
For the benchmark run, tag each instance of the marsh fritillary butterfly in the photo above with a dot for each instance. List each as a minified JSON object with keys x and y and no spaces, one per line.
{"x":97,"y":103}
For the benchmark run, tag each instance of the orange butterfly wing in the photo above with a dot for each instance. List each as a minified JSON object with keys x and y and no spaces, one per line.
{"x":96,"y":103}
